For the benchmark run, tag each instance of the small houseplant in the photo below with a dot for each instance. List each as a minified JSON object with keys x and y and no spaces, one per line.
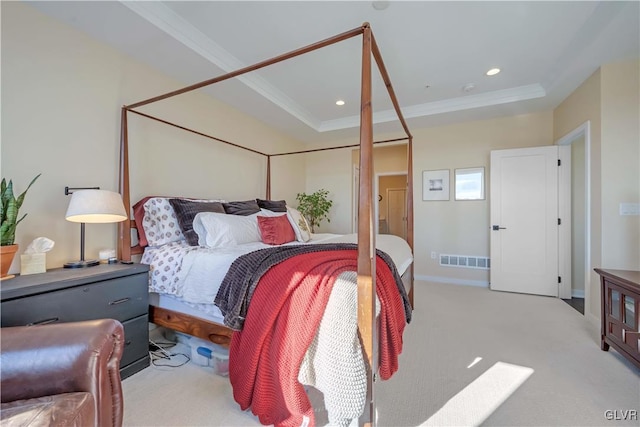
{"x":10,"y":207}
{"x":315,"y":207}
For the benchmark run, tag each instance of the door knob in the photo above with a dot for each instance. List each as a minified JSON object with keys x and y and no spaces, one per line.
{"x":497,"y":227}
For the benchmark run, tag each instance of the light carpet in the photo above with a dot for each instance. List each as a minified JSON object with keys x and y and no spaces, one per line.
{"x":471,"y":357}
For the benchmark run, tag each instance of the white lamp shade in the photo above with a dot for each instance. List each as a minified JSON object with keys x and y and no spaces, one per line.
{"x":95,"y":206}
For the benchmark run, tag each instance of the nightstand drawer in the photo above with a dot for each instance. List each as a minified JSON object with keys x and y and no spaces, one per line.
{"x":121,"y":299}
{"x":136,"y":339}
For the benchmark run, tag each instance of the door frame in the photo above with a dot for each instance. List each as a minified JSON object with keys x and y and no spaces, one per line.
{"x":565,"y":221}
{"x":583,"y":130}
{"x":376,"y":214}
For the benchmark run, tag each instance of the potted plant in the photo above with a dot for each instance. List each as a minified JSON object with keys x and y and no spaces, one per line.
{"x":315,"y":207}
{"x":10,"y":207}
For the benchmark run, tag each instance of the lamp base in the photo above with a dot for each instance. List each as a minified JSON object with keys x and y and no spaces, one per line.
{"x":82,"y":264}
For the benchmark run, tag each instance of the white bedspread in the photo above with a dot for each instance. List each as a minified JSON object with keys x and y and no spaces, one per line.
{"x":194,"y":273}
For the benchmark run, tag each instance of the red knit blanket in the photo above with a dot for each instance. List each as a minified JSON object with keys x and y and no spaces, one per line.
{"x":282,"y":319}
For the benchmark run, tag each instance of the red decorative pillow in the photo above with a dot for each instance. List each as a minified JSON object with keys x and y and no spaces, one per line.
{"x":275,"y":230}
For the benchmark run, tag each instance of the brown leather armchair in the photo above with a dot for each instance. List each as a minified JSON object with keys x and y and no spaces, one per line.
{"x":62,"y":374}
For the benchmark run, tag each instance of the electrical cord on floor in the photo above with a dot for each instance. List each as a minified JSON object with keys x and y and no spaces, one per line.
{"x":158,"y":353}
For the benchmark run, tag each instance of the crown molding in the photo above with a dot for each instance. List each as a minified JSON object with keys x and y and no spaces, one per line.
{"x":175,"y":26}
{"x":486,"y":99}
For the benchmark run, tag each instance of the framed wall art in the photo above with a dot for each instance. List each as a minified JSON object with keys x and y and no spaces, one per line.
{"x":435,"y":185}
{"x":469,"y":184}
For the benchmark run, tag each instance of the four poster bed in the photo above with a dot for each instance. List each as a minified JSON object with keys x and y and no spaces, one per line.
{"x":381,"y":270}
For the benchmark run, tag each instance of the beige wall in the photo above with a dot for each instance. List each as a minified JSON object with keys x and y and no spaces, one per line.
{"x":620,"y":164}
{"x":61,"y":98}
{"x":443,"y":227}
{"x":333,"y":171}
{"x":609,"y":100}
{"x":387,"y":159}
{"x":462,"y":227}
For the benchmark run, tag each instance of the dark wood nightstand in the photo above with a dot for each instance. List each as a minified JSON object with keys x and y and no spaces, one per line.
{"x":620,"y":292}
{"x":115,"y":291}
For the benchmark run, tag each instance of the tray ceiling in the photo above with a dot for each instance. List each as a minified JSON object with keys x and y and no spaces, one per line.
{"x":437,"y":54}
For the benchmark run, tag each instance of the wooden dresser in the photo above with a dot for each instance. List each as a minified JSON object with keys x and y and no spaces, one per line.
{"x":115,"y":291}
{"x":620,"y":292}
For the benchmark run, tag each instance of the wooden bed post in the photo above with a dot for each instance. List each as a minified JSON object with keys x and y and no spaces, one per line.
{"x":124,"y":227}
{"x":410,"y":208}
{"x":366,"y":236}
{"x":366,"y":223}
{"x":268,"y":192}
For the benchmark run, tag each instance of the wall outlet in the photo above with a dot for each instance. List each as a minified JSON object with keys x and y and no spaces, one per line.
{"x":433,"y":255}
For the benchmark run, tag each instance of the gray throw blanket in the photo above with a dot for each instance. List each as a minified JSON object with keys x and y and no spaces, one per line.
{"x":244,"y":274}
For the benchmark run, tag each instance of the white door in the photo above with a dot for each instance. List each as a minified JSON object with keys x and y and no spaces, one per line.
{"x":524,"y":220}
{"x":397,"y":211}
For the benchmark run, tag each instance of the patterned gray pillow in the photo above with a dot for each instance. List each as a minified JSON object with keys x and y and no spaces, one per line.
{"x":186,"y":211}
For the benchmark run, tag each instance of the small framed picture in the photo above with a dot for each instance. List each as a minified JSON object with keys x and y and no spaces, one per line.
{"x":435,"y":185}
{"x":469,"y":184}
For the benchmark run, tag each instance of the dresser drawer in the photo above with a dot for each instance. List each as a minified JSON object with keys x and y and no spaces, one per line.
{"x":136,"y":339}
{"x":122,"y":299}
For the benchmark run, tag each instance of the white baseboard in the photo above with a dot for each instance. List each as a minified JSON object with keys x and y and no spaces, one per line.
{"x":577,"y":293}
{"x":453,"y":281}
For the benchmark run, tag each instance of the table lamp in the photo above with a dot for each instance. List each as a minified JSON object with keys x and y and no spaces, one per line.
{"x":92,"y":206}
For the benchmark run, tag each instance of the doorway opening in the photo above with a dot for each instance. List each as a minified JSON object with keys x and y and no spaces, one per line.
{"x":579,"y":204}
{"x":391,"y":209}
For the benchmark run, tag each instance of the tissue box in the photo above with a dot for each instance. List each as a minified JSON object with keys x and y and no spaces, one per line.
{"x":33,"y":263}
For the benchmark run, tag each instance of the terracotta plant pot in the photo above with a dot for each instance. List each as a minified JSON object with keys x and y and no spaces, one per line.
{"x":6,"y":258}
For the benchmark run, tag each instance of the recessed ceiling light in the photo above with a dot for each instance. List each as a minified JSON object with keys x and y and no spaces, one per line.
{"x":339,"y":102}
{"x":493,"y":71}
{"x":380,"y":5}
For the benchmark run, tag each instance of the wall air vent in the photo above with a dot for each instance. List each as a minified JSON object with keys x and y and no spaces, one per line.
{"x":465,"y":261}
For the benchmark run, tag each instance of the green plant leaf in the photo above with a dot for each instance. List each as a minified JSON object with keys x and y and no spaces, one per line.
{"x":9,"y":210}
{"x":24,"y":193}
{"x":315,"y":207}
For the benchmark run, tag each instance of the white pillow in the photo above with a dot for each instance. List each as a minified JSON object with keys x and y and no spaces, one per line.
{"x":160,"y":222}
{"x":299,"y":224}
{"x":216,"y":230}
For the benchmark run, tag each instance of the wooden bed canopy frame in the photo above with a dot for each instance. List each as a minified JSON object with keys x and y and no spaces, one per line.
{"x":366,"y":229}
